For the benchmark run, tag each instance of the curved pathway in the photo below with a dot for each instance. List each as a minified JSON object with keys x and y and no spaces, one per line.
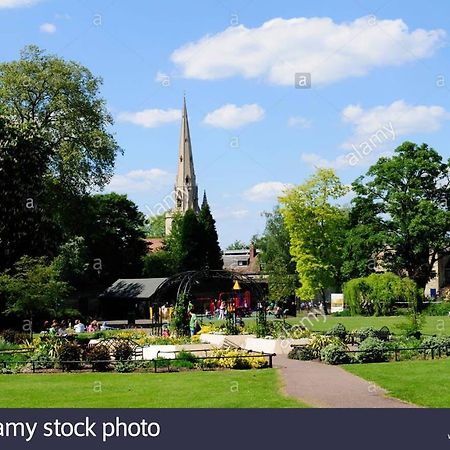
{"x":325,"y":386}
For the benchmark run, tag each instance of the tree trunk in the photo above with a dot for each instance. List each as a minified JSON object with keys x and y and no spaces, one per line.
{"x":324,"y":302}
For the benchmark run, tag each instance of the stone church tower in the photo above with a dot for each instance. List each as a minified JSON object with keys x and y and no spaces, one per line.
{"x":186,"y":190}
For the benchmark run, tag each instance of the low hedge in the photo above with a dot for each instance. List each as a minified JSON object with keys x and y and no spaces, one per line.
{"x":372,"y":350}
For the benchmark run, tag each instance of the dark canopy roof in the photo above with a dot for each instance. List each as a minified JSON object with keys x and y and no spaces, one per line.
{"x":136,"y":288}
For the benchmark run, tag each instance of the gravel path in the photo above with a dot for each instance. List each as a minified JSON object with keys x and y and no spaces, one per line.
{"x":325,"y":386}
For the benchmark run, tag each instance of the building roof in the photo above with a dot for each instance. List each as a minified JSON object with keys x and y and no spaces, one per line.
{"x":138,"y":288}
{"x":242,"y":260}
{"x":154,"y":244}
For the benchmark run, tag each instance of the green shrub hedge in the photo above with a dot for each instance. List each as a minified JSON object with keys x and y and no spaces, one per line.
{"x":334,"y":354}
{"x":372,"y":350}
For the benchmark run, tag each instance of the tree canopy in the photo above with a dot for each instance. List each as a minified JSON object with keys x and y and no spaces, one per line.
{"x":403,"y":203}
{"x":61,"y":99}
{"x":316,"y":227}
{"x":275,"y":257}
{"x":33,"y":289}
{"x":26,"y":225}
{"x":210,"y":240}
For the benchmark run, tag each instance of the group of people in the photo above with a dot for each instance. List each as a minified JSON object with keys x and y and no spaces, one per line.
{"x":221,"y":309}
{"x":64,"y":327}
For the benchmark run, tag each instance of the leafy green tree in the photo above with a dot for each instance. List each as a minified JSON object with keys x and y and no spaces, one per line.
{"x":275,"y":257}
{"x":73,"y":261}
{"x":403,"y":202}
{"x":160,"y":263}
{"x":173,"y":242}
{"x":316,"y":227}
{"x":61,"y":99}
{"x":210,"y":240}
{"x":191,"y":242}
{"x":26,"y":225}
{"x":155,"y":226}
{"x":237,"y":245}
{"x":378,"y":293}
{"x":33,"y":289}
{"x":111,"y":226}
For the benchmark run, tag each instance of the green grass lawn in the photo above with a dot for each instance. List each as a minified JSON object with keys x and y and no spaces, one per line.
{"x":424,"y":383}
{"x":196,"y":389}
{"x":433,"y":324}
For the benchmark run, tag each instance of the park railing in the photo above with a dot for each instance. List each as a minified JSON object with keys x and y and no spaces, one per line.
{"x":437,"y":351}
{"x":433,"y":352}
{"x":157,"y":365}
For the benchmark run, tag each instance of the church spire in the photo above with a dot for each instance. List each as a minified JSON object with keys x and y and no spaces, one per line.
{"x":205,"y":200}
{"x":186,"y":185}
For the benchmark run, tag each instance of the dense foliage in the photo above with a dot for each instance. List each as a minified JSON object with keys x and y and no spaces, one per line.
{"x":401,"y":206}
{"x":378,"y":293}
{"x":276,"y":259}
{"x":316,"y":227}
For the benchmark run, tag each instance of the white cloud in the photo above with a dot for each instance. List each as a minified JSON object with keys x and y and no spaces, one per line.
{"x":269,"y":190}
{"x":150,"y":118}
{"x":17,"y":3}
{"x":315,"y":160}
{"x":231,"y":213}
{"x":299,"y":122}
{"x":47,"y":27}
{"x":230,"y":116}
{"x":330,"y":51}
{"x":140,"y":180}
{"x":394,"y":120}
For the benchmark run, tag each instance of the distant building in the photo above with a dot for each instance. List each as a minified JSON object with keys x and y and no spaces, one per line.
{"x":244,"y":261}
{"x":186,"y":189}
{"x":441,"y":279}
{"x":154,"y":244}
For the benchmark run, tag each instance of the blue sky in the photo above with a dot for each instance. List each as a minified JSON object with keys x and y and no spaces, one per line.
{"x":380,"y":75}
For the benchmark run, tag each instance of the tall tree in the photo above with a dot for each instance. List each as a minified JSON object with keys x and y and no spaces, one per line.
{"x":316,"y":227}
{"x":275,"y":257}
{"x":191,"y":242}
{"x":34,"y":289}
{"x":111,"y":226}
{"x":210,"y":239}
{"x":26,"y":223}
{"x":404,"y":202}
{"x":61,"y":99}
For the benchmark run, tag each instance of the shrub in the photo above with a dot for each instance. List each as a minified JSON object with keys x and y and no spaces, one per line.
{"x":125,"y":367}
{"x":403,"y":342}
{"x":438,"y":309}
{"x":185,"y":359}
{"x":303,"y":353}
{"x":372,"y":350}
{"x":378,"y":293}
{"x":14,"y":336}
{"x":338,"y":331}
{"x":319,"y":342}
{"x":235,"y":359}
{"x":434,"y":342}
{"x":232,"y":359}
{"x":123,"y":351}
{"x":365,"y":332}
{"x":99,"y":357}
{"x":82,"y":339}
{"x":69,"y":356}
{"x":42,"y":360}
{"x":334,"y":354}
